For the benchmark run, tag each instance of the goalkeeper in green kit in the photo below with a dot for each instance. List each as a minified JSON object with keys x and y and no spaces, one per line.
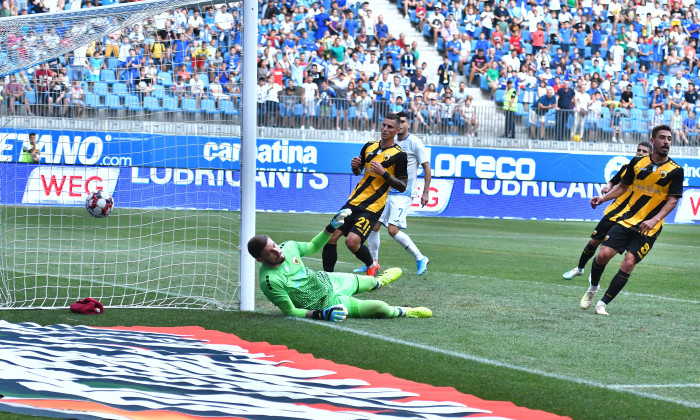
{"x":301,"y":292}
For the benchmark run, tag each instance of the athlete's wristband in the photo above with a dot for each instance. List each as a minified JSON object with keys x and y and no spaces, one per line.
{"x":316,"y":315}
{"x":386,"y":175}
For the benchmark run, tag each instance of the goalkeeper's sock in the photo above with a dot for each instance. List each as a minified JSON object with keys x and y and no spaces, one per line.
{"x":330,"y":257}
{"x":373,"y":243}
{"x":617,"y":283}
{"x":401,"y":311}
{"x":596,"y":273}
{"x":586,"y":255}
{"x":408,"y":244}
{"x":364,"y":255}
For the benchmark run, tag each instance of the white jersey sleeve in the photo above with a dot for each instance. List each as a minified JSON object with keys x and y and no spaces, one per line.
{"x":417,"y":154}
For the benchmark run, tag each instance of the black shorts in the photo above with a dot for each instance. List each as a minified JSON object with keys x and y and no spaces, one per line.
{"x":341,"y":104}
{"x":359,"y":222}
{"x":623,"y":239}
{"x":602,"y":229}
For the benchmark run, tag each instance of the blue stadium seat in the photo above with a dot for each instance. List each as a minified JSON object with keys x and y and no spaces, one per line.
{"x":170,"y":104}
{"x":226,"y":106}
{"x":500,"y":94}
{"x":640,"y":126}
{"x":93,"y":101}
{"x":638,"y":91}
{"x":112,"y":63}
{"x":165,"y":78}
{"x":107,"y":75}
{"x":159,"y":92}
{"x":151,"y":104}
{"x":209,"y":106}
{"x":100,"y":88}
{"x":120,"y":89}
{"x":133,"y":103}
{"x":189,"y":105}
{"x":113,"y":102}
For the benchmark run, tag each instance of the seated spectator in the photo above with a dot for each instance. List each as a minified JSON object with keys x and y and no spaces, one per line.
{"x":196,"y":88}
{"x":418,"y":111}
{"x":478,"y":66}
{"x":447,"y":114}
{"x":183,"y":73}
{"x":436,"y":20}
{"x":468,"y":114}
{"x":690,"y":127}
{"x":675,"y":100}
{"x":657,"y":118}
{"x":658,"y":99}
{"x":627,"y":98}
{"x":15,"y":92}
{"x":179,"y":89}
{"x":677,"y":126}
{"x":216,"y":90}
{"x":58,"y":95}
{"x":615,"y":122}
{"x":433,"y":111}
{"x":690,"y":97}
{"x":492,"y":79}
{"x":143,"y":84}
{"x":77,"y":98}
{"x":593,"y":118}
{"x":538,"y":112}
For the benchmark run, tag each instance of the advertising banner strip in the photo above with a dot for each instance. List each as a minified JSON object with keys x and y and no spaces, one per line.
{"x":208,"y":189}
{"x":203,"y":152}
{"x":193,"y":373}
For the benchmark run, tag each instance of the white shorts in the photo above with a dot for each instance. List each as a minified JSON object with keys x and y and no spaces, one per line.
{"x":395,"y":211}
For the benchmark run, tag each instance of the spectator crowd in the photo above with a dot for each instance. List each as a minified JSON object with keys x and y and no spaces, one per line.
{"x":586,"y":70}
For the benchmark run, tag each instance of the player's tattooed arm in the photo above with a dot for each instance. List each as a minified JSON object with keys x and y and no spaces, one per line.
{"x":397,"y":183}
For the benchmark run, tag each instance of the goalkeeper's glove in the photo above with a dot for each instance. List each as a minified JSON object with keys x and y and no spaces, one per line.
{"x":339,"y":218}
{"x":335,"y":313}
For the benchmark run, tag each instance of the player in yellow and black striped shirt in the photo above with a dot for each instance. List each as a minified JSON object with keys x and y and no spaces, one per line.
{"x":655,"y":183}
{"x":384,"y":164}
{"x":609,"y":217}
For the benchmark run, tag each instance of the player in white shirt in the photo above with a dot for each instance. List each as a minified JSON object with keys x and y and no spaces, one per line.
{"x":398,"y":203}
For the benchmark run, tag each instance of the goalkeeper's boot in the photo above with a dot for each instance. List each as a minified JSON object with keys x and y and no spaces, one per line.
{"x":389,"y":275}
{"x":373,"y":271}
{"x":573,"y":273}
{"x":422,"y":265}
{"x":587,"y":299}
{"x":362,"y":269}
{"x":419,"y":312}
{"x":600,"y":308}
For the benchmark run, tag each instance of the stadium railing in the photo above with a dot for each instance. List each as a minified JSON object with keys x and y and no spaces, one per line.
{"x":294,"y":112}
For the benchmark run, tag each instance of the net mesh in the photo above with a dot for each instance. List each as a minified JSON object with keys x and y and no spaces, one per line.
{"x":172,"y":239}
{"x":33,"y":39}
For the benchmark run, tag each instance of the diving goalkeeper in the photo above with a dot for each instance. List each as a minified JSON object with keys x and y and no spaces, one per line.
{"x":301,"y":292}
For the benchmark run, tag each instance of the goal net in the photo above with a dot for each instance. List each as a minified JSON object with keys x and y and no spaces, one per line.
{"x":122,"y":123}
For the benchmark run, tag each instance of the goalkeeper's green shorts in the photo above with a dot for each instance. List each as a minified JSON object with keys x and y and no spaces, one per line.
{"x":344,"y":286}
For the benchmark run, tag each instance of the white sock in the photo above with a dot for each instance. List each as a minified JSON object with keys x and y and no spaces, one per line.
{"x":373,"y":244}
{"x":408,"y":244}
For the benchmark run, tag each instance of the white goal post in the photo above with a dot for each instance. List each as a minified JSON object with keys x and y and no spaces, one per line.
{"x":183,"y":178}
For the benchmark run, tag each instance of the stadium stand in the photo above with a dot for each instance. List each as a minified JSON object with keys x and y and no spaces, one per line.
{"x":321,"y":60}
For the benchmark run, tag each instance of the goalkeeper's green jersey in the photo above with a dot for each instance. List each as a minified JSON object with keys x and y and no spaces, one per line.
{"x":294,"y":288}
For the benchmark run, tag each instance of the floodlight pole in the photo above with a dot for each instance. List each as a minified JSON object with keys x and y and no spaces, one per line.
{"x":248,"y":153}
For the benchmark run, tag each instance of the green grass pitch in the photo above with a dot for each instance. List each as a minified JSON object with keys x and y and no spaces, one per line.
{"x":506,"y":326}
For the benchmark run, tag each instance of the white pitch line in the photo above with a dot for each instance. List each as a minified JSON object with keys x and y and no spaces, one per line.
{"x":505,"y":365}
{"x":568,"y":286}
{"x":659,"y":386}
